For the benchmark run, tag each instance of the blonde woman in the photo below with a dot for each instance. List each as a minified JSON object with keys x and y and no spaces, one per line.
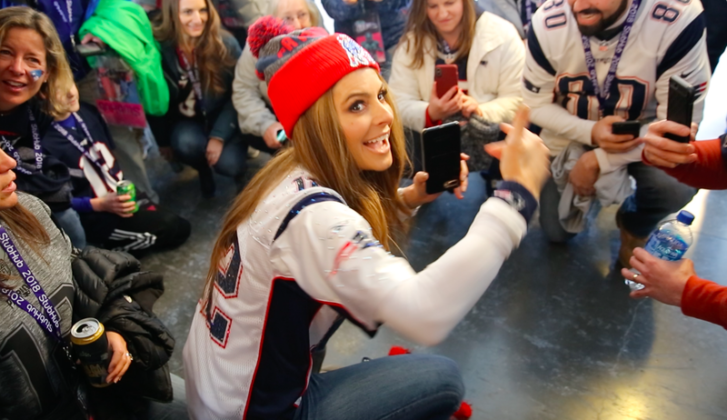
{"x":307,"y":241}
{"x":200,"y":128}
{"x":249,"y":94}
{"x":487,"y":50}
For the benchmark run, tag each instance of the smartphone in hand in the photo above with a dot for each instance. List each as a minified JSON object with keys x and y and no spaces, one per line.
{"x":441,"y":157}
{"x":446,"y":76}
{"x":627,"y":127}
{"x":679,"y":105}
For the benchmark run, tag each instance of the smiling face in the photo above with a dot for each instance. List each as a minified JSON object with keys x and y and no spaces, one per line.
{"x":365,"y":117}
{"x":193,"y":16}
{"x":295,"y":13}
{"x":22,"y":67}
{"x":445,"y":15}
{"x":594,"y":16}
{"x":8,"y":198}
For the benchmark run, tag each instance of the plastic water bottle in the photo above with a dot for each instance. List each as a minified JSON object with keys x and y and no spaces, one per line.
{"x":669,"y":241}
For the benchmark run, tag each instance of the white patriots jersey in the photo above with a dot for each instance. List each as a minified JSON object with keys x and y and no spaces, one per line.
{"x":668,"y":38}
{"x":273,"y":303}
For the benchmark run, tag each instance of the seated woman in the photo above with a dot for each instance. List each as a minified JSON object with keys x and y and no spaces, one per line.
{"x":249,"y":93}
{"x":487,"y":50}
{"x":80,"y":139}
{"x":201,"y":124}
{"x":308,"y":240}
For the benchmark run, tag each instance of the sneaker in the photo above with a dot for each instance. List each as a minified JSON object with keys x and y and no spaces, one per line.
{"x":252,"y":152}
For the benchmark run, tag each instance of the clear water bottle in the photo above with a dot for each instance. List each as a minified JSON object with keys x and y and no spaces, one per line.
{"x":669,"y":241}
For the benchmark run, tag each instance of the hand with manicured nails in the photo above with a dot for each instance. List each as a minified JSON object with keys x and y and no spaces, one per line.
{"x":120,"y":362}
{"x":416,"y":194}
{"x":603,"y":137}
{"x":449,"y":104}
{"x":666,"y":153}
{"x":523,"y":155}
{"x":663,"y":280}
{"x":114,"y":203}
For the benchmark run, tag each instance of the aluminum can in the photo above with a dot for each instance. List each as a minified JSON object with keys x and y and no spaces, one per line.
{"x":128,"y":187}
{"x":91,"y":346}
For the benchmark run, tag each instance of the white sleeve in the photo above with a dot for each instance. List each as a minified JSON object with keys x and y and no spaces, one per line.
{"x":538,"y":90}
{"x":509,"y":96}
{"x":253,"y":114}
{"x":329,"y":250}
{"x":405,"y":88}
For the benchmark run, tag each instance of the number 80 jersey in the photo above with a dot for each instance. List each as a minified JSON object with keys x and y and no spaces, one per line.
{"x":667,"y":38}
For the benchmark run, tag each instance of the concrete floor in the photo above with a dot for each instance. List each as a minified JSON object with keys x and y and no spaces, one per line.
{"x":555,"y":337}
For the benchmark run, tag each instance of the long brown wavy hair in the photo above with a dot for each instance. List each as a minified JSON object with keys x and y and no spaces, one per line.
{"x":320,"y":147}
{"x":420,"y":33}
{"x":27,"y":229}
{"x":210,"y":53}
{"x":60,"y":77}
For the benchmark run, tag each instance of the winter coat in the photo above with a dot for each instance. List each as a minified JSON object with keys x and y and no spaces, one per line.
{"x":111,"y":288}
{"x":494,"y":70}
{"x":392,"y":16}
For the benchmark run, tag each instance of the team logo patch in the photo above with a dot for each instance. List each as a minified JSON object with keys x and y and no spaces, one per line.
{"x":229,"y":272}
{"x":220,"y":327}
{"x":530,"y":86}
{"x":357,"y":56}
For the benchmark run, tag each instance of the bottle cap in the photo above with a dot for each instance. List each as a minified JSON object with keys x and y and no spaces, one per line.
{"x":685,"y":217}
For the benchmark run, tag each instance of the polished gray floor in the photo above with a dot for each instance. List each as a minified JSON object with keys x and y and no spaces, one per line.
{"x":556,"y":335}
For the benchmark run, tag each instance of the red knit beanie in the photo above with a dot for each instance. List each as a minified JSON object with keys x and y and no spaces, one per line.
{"x":300,"y":66}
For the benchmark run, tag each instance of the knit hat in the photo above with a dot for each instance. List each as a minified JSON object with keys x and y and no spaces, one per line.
{"x":300,"y":66}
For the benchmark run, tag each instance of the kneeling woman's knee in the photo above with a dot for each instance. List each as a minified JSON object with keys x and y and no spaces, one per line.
{"x":444,"y":379}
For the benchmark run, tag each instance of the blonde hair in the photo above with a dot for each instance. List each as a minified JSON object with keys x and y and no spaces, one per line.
{"x":60,"y":77}
{"x":320,"y":147}
{"x":420,"y":31}
{"x":25,"y":227}
{"x":210,"y":53}
{"x":315,"y":16}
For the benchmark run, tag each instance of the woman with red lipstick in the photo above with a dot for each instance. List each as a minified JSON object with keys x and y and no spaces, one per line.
{"x":307,"y":243}
{"x":199,"y":57}
{"x":487,"y":50}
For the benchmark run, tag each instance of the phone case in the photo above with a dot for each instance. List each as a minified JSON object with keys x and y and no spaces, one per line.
{"x":627,"y":127}
{"x":679,"y":105}
{"x":440,"y":157}
{"x":446,"y":76}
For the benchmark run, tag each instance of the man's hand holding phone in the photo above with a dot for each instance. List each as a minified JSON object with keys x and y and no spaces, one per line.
{"x":666,"y":153}
{"x":271,"y":136}
{"x":603,"y":137}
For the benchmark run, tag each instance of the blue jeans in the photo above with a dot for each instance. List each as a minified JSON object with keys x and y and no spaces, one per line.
{"x":70,"y":222}
{"x":189,"y":142}
{"x":407,"y":387}
{"x":174,"y":410}
{"x":657,"y":196}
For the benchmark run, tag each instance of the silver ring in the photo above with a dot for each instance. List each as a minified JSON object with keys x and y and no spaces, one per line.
{"x":129,"y":356}
{"x":636,"y":276}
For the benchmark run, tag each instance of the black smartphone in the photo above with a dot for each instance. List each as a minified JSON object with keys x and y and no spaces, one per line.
{"x":627,"y":127}
{"x":90,"y":49}
{"x":280,"y":135}
{"x":679,"y":106}
{"x":440,"y":157}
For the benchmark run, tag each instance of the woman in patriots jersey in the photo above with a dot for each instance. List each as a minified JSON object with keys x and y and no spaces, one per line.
{"x":80,"y":139}
{"x":198,"y":57}
{"x":307,"y":242}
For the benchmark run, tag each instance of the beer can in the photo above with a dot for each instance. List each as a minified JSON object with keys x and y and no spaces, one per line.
{"x":91,"y":346}
{"x":128,"y":187}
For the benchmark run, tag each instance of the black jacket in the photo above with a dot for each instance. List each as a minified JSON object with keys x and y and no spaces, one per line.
{"x":111,"y":288}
